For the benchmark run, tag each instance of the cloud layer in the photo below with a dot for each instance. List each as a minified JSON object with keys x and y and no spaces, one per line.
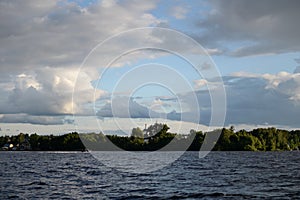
{"x":242,"y":27}
{"x":44,"y":42}
{"x":251,"y":99}
{"x":44,"y":45}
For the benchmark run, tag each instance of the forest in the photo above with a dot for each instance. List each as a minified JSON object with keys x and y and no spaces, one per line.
{"x":157,"y":137}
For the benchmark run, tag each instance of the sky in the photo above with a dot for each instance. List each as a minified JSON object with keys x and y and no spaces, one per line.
{"x":112,"y":65}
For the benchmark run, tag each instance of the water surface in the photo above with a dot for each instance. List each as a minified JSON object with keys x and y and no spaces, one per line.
{"x":220,"y":175}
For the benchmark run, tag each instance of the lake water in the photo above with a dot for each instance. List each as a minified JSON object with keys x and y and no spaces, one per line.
{"x":220,"y":175}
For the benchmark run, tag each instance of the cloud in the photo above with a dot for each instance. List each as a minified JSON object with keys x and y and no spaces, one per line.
{"x":42,"y":120}
{"x":200,"y":83}
{"x":44,"y":44}
{"x":55,"y":33}
{"x":125,"y":107}
{"x":297,"y":60}
{"x":48,"y":91}
{"x":166,"y":98}
{"x":179,"y":12}
{"x":271,"y":99}
{"x":297,"y":70}
{"x":245,"y":28}
{"x":255,"y":99}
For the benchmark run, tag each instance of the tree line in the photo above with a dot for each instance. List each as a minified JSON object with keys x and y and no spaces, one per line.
{"x":156,"y":137}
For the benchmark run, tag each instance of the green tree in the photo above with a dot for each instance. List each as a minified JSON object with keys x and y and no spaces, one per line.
{"x":137,"y":132}
{"x":224,"y":142}
{"x":154,"y":129}
{"x":21,"y":138}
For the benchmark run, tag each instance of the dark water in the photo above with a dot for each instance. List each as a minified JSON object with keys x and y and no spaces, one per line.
{"x":220,"y":175}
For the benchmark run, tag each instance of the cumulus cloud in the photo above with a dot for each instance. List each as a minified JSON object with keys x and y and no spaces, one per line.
{"x":255,"y":99}
{"x":44,"y":45}
{"x":46,"y":92}
{"x":271,"y":99}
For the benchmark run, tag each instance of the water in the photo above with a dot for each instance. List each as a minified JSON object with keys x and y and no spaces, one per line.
{"x":220,"y":175}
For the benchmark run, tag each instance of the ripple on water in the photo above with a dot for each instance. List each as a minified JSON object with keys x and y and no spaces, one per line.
{"x":220,"y":175}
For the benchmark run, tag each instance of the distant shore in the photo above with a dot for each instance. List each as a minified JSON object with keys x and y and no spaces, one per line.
{"x":261,"y":139}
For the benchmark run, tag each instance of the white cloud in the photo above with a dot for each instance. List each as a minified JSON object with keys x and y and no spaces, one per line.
{"x":44,"y":44}
{"x":47,"y":91}
{"x":200,"y":83}
{"x":179,"y":12}
{"x":52,"y":33}
{"x":282,"y":82}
